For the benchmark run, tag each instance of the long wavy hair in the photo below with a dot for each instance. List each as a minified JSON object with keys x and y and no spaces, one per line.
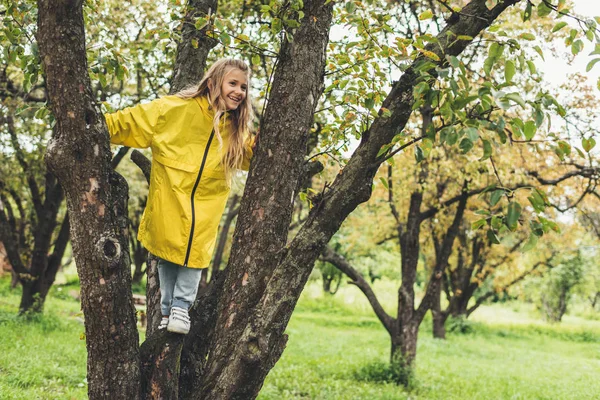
{"x":240,"y":118}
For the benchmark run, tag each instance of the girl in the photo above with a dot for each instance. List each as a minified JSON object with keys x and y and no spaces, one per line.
{"x":198,"y":138}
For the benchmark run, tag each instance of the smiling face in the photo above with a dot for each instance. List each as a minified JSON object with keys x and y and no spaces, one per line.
{"x":233,"y":89}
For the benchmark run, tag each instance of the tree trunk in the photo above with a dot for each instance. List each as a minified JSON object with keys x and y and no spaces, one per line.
{"x":245,"y":350}
{"x":79,"y":155}
{"x":232,"y":212}
{"x":153,"y":311}
{"x":403,"y":352}
{"x":438,"y":316}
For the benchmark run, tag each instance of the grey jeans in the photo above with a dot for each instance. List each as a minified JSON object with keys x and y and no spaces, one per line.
{"x":178,"y":285}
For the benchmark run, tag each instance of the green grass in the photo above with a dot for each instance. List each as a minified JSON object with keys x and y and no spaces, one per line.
{"x":338,"y":350}
{"x":41,"y":357}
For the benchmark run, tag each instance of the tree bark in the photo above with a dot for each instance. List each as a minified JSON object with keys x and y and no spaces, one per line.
{"x":243,"y":353}
{"x":438,"y":316}
{"x":232,"y":212}
{"x":79,"y":155}
{"x":193,"y":49}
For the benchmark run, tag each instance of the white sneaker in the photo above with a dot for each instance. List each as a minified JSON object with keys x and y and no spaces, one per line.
{"x":179,"y":321}
{"x":164,"y":321}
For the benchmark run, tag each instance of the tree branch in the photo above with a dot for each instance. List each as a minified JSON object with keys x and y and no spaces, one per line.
{"x":338,"y":261}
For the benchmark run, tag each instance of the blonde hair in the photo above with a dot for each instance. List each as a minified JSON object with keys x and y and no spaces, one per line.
{"x":241,"y":117}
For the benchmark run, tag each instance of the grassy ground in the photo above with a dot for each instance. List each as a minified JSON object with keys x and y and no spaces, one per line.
{"x":338,"y":350}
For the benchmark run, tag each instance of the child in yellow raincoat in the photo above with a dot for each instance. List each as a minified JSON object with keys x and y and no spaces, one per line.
{"x":198,"y":137}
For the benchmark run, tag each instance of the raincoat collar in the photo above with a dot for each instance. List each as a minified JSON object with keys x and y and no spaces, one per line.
{"x":207,"y":108}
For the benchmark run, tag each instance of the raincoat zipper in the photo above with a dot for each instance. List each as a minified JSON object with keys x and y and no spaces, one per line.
{"x":189,"y":247}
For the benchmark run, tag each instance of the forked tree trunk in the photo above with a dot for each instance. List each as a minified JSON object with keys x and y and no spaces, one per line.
{"x":253,"y":300}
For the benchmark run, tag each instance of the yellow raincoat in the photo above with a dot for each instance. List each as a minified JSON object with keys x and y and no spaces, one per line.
{"x":188,"y":189}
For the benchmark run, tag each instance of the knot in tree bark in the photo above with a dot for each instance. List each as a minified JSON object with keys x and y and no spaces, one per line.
{"x":109,"y":249}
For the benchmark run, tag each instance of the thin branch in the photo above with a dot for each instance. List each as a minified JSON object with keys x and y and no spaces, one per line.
{"x":330,"y":256}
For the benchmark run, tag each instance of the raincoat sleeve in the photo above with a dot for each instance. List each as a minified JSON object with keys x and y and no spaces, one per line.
{"x":134,"y":126}
{"x":248,"y":152}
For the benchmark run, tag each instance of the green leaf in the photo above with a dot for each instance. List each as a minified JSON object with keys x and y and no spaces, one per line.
{"x":487,"y":150}
{"x":549,"y":225}
{"x":453,"y":61}
{"x":425,"y":15}
{"x":452,"y":137}
{"x":564,"y":147}
{"x":384,"y":149}
{"x":509,"y":70}
{"x":369,"y":103}
{"x":539,"y":117}
{"x":496,"y":49}
{"x":491,"y":235}
{"x":41,"y":113}
{"x":577,"y":46}
{"x":465,"y":145}
{"x":527,"y":12}
{"x":590,"y":35}
{"x":527,"y":36}
{"x":419,"y":155}
{"x":588,"y":144}
{"x":529,"y":130}
{"x":531,"y":242}
{"x":225,"y":38}
{"x":472,"y":133}
{"x":102,"y":79}
{"x":516,"y":97}
{"x":543,"y":10}
{"x":591,"y":64}
{"x":538,"y":50}
{"x":531,"y":66}
{"x":496,"y":196}
{"x":513,"y":214}
{"x":350,"y":7}
{"x":559,"y":26}
{"x":385,"y":183}
{"x":537,"y":201}
{"x":255,"y":59}
{"x":478,"y":224}
{"x":596,"y":50}
{"x":276,"y":26}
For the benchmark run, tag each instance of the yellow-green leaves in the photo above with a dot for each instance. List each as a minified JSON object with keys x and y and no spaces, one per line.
{"x":495,"y":52}
{"x":543,"y":10}
{"x":487,"y":150}
{"x":425,"y":15}
{"x":559,"y":26}
{"x":516,"y":97}
{"x":496,"y":196}
{"x":509,"y":70}
{"x":591,"y":64}
{"x":538,"y":200}
{"x":527,"y":36}
{"x":529,"y":129}
{"x":588,"y":144}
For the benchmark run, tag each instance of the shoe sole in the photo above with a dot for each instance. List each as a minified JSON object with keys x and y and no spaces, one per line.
{"x":176,"y":330}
